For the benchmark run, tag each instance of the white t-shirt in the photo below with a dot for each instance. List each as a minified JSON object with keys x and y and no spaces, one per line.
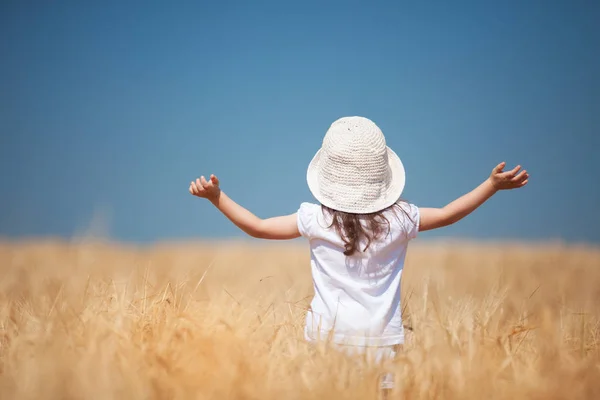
{"x":357,"y":297}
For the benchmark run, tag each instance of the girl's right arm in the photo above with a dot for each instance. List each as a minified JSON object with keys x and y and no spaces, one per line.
{"x":433,"y":218}
{"x":277,"y":228}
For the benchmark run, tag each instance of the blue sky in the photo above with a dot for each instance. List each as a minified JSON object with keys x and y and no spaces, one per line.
{"x":109,"y":109}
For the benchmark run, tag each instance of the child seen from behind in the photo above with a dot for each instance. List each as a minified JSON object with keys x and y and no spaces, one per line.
{"x":358,"y":233}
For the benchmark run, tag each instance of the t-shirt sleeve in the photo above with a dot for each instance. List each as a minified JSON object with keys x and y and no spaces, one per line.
{"x":306,"y":217}
{"x":411,"y":220}
{"x":414,"y":222}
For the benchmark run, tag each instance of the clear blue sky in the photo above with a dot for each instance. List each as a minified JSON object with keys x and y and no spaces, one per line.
{"x":115,"y":106}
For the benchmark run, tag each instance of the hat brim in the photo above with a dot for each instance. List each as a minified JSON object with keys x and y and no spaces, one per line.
{"x":388,"y":198}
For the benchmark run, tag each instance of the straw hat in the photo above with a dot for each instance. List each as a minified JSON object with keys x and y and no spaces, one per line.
{"x":355,"y":171}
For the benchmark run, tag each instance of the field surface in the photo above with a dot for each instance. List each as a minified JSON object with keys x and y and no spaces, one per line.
{"x":224,"y":321}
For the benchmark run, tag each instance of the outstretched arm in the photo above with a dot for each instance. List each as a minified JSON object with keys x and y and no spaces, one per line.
{"x":277,"y":228}
{"x":433,"y":218}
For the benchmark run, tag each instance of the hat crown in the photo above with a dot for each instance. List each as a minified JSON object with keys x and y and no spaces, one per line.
{"x":357,"y":134}
{"x":354,"y":152}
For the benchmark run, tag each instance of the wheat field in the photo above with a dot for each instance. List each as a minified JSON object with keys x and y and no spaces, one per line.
{"x":97,"y":320}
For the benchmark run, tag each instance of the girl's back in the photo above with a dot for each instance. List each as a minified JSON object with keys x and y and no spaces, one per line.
{"x":357,"y":296}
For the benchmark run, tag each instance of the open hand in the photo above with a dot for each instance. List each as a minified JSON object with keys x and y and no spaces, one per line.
{"x":207,"y":189}
{"x":512,"y":179}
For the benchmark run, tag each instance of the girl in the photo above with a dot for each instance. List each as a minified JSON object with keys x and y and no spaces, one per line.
{"x":358,"y":234}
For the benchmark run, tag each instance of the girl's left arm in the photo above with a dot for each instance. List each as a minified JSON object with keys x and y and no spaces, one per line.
{"x":277,"y":228}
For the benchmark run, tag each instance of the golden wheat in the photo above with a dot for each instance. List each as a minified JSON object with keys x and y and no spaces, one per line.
{"x":224,"y":321}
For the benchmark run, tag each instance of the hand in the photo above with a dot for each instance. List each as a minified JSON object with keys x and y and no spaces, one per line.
{"x":512,"y":179}
{"x":206,"y":189}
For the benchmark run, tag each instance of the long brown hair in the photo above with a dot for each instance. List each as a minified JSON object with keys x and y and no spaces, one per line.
{"x":352,"y":231}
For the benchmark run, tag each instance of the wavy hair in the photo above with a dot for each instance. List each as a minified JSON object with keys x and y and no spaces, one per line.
{"x":353,"y":228}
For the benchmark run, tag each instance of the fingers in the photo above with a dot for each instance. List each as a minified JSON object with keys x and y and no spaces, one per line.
{"x":514,"y":171}
{"x":499,"y":167}
{"x":204,"y":182}
{"x":521,"y":179}
{"x":201,"y":185}
{"x":510,"y":174}
{"x":195,"y":188}
{"x":522,"y":176}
